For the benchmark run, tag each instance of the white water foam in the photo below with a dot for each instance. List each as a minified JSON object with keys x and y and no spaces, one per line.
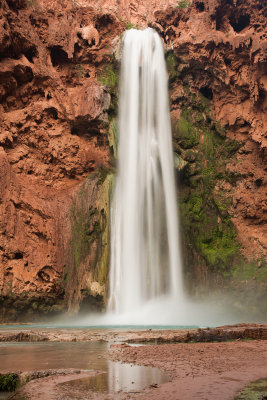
{"x":146,"y":285}
{"x":145,"y":250}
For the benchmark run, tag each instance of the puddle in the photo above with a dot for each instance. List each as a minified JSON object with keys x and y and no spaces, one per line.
{"x":119,"y":377}
{"x":57,"y":355}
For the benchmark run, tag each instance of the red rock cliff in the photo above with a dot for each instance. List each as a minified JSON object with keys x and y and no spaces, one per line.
{"x":55,"y":124}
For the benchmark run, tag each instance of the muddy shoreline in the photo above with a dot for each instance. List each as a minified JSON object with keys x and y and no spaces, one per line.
{"x":203,"y":364}
{"x":222,"y":333}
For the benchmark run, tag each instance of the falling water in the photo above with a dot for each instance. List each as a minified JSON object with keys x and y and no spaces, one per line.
{"x":145,"y":254}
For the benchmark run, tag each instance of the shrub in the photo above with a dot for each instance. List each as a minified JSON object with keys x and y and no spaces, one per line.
{"x":8,"y":382}
{"x":183,"y":3}
{"x":109,"y":76}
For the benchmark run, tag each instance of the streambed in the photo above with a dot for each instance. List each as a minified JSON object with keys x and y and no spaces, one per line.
{"x":89,"y":356}
{"x":198,"y":370}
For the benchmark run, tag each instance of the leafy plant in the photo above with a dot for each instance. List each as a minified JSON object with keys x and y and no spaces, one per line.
{"x":30,"y":3}
{"x":8,"y":382}
{"x":172,"y":66}
{"x":109,"y":76}
{"x":183,"y":3}
{"x":129,"y":25}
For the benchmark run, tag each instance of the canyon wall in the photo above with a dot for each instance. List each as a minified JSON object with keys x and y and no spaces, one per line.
{"x":58,"y":107}
{"x":217,"y":65}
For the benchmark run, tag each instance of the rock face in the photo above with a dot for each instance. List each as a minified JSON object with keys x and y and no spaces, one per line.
{"x":222,"y":53}
{"x":54,"y":125}
{"x":218,"y":93}
{"x":58,"y":100}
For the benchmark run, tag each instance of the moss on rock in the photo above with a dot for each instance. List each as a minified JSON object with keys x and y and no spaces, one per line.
{"x":212,"y":253}
{"x":206,"y":223}
{"x":172,"y":63}
{"x":86,"y":273}
{"x":108,"y":76}
{"x":25,"y":307}
{"x":254,"y":391}
{"x":9,"y":382}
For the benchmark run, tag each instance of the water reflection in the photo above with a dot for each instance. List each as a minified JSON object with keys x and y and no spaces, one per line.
{"x":134,"y":377}
{"x":90,"y":356}
{"x":119,"y":377}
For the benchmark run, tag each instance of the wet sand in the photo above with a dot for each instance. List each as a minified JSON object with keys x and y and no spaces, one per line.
{"x":199,"y":371}
{"x":48,"y":388}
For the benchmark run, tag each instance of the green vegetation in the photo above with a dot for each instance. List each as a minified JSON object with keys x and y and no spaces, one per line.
{"x":172,"y":66}
{"x":183,"y":4}
{"x":30,"y":3}
{"x":129,"y":25}
{"x":207,"y":228}
{"x":255,"y":270}
{"x":113,"y":136}
{"x":109,"y":76}
{"x":205,"y":198}
{"x":254,"y":391}
{"x":89,"y":243}
{"x":9,"y":382}
{"x":88,"y":255}
{"x":186,"y":132}
{"x":103,"y":172}
{"x":85,"y":229}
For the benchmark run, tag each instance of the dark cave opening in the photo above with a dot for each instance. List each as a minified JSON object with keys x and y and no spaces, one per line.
{"x":258,"y":182}
{"x":219,"y":22}
{"x":52,"y":112}
{"x":77,"y":49}
{"x":239,"y":24}
{"x":23,"y":74}
{"x":200,"y":6}
{"x":58,"y":56}
{"x":18,"y":255}
{"x":90,"y":303}
{"x":83,"y":127}
{"x":16,"y":4}
{"x":104,"y":21}
{"x":206,"y":92}
{"x":43,"y":275}
{"x":262,"y":95}
{"x":30,"y":54}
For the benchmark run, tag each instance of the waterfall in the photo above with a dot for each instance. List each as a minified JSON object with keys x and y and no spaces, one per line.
{"x":145,"y":252}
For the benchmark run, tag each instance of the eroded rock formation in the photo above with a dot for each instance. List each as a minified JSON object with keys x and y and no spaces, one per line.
{"x":58,"y":88}
{"x":54,"y":124}
{"x":221,"y":48}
